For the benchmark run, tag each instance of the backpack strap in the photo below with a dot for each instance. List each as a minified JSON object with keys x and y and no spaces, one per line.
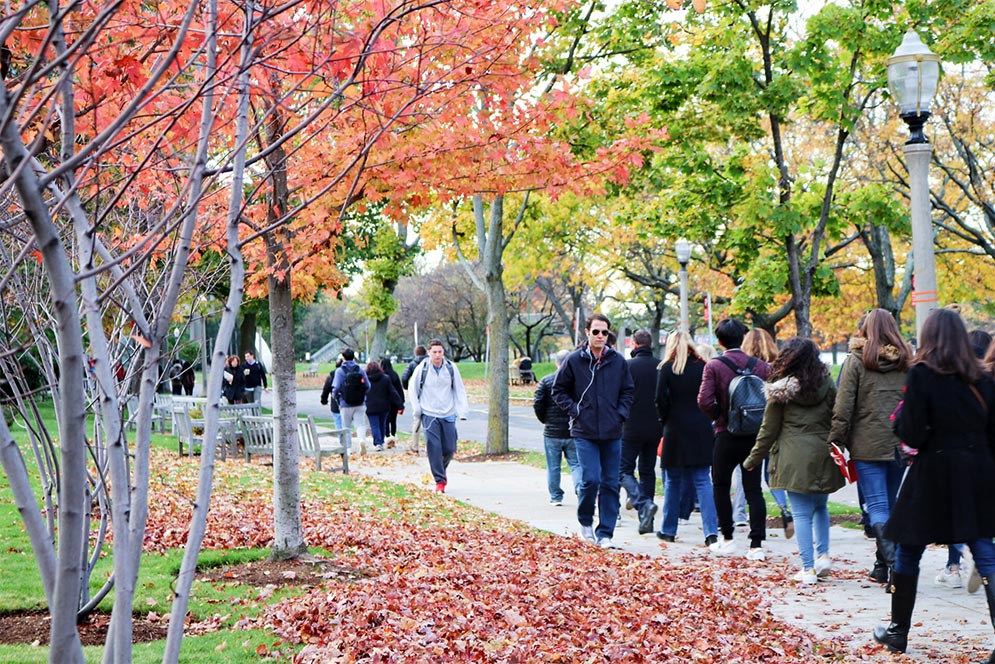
{"x":729,"y":363}
{"x":424,"y":375}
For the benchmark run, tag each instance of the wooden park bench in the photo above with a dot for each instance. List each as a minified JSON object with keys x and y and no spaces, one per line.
{"x":317,"y":442}
{"x":257,"y":435}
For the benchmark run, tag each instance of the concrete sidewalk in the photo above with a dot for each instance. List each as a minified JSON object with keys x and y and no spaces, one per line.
{"x":948,"y":624}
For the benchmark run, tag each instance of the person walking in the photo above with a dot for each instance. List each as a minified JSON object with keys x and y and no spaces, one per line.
{"x":326,"y":392}
{"x":594,"y":387}
{"x":800,"y":396}
{"x":421,"y":354}
{"x":758,"y":343}
{"x":380,"y":398}
{"x":947,"y":494}
{"x":870,"y":387}
{"x":641,"y":433}
{"x":438,"y":398}
{"x":233,"y":389}
{"x":255,"y":377}
{"x":395,"y":380}
{"x":556,"y":435}
{"x":349,"y":387}
{"x":687,"y":437}
{"x":733,"y":446}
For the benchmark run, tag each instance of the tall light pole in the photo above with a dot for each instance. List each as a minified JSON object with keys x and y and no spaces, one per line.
{"x":683,"y":249}
{"x":913,"y":72}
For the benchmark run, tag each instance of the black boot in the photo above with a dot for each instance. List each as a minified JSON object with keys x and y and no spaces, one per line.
{"x":879,"y":573}
{"x":895,"y":636}
{"x":988,"y":583}
{"x":886,"y":550}
{"x":646,"y":518}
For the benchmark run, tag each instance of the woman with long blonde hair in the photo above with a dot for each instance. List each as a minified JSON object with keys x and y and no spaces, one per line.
{"x":687,"y":436}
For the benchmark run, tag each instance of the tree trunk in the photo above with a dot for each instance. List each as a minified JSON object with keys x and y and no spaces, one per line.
{"x":247,"y":333}
{"x":379,"y":347}
{"x":288,"y":531}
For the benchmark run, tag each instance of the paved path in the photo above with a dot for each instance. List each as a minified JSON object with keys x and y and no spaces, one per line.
{"x":948,"y":623}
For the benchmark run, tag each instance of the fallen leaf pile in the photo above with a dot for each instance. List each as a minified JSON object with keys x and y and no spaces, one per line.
{"x":444,"y":582}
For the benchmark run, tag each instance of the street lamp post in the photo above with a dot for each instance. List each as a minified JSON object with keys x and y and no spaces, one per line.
{"x":683,"y":248}
{"x":913,"y":72}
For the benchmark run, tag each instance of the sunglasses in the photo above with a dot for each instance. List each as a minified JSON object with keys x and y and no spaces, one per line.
{"x":599,"y":333}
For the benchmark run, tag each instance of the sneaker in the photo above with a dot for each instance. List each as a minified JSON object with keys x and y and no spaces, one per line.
{"x":556,"y":502}
{"x":974,"y":583}
{"x":806,"y":577}
{"x":440,"y":487}
{"x":741,"y":524}
{"x":391,"y":442}
{"x":949,"y":577}
{"x":378,"y":448}
{"x":628,"y":504}
{"x":789,"y":525}
{"x":607,"y":543}
{"x":724,"y":548}
{"x":665,"y":537}
{"x":711,"y":539}
{"x":587,"y":533}
{"x":823,"y":565}
{"x":756,"y":553}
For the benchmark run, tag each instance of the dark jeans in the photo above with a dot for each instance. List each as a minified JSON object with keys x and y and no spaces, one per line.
{"x":599,"y":462}
{"x":730,"y":451}
{"x":907,"y":557}
{"x":643,"y":453}
{"x":378,"y":423}
{"x":392,"y":422}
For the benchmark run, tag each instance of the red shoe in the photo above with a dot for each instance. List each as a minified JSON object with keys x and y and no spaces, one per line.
{"x":440,"y":487}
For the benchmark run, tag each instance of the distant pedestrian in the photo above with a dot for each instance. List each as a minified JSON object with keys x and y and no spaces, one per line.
{"x":948,"y":493}
{"x":233,"y":388}
{"x":326,"y":392}
{"x":380,"y":398}
{"x":641,"y":432}
{"x":395,"y":380}
{"x":556,"y":435}
{"x":255,"y":377}
{"x":438,"y":398}
{"x":349,"y":387}
{"x":594,"y":388}
{"x":421,"y":354}
{"x":800,"y":397}
{"x":732,"y":447}
{"x":686,"y":458}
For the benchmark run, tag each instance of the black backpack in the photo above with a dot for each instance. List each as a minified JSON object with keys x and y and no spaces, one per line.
{"x":353,"y":388}
{"x":746,"y":399}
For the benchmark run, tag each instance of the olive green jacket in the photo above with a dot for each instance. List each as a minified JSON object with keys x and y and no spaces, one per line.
{"x":866,"y":400}
{"x":794,"y":433}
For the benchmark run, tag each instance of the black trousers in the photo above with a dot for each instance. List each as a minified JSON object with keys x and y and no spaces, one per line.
{"x":729,"y":452}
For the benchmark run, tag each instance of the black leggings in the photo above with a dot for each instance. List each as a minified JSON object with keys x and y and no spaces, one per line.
{"x":730,"y":451}
{"x":392,"y":422}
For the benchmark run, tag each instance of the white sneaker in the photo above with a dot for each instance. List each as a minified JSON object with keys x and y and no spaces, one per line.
{"x":587,"y":533}
{"x":756,"y":553}
{"x":823,"y":565}
{"x":806,"y":577}
{"x":607,"y":543}
{"x":556,"y":502}
{"x":724,"y":548}
{"x":974,"y":581}
{"x":949,"y":577}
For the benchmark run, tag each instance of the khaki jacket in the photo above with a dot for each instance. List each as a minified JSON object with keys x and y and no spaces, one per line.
{"x":864,"y":404}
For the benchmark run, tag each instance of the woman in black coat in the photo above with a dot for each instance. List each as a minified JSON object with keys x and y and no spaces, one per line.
{"x":948,"y":491}
{"x":395,"y":380}
{"x":687,"y":436}
{"x":380,"y":398}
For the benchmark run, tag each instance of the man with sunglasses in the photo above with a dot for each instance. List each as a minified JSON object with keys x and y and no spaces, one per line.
{"x":594,"y":387}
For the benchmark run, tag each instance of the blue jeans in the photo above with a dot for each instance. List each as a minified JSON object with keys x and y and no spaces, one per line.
{"x":907,"y":557}
{"x":879,"y":481}
{"x":378,"y":427}
{"x":599,"y":471}
{"x":675,"y":481}
{"x":811,"y":519}
{"x":556,"y":449}
{"x":780,"y":495}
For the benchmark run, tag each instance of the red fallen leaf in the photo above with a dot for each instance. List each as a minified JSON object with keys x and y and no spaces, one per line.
{"x":37,"y":255}
{"x":262,"y":650}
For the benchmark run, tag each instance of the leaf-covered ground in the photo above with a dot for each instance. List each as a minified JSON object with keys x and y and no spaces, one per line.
{"x":443,"y":582}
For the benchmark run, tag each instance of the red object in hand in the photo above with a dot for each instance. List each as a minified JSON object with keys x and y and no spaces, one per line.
{"x":400,"y":412}
{"x":847,"y":467}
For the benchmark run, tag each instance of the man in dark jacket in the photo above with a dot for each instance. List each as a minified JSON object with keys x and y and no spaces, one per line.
{"x":594,"y":387}
{"x":730,"y":449}
{"x":641,"y":432}
{"x":556,"y":435}
{"x":421,"y":354}
{"x":255,"y":377}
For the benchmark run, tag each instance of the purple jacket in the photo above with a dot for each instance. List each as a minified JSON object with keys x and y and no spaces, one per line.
{"x":713,"y":395}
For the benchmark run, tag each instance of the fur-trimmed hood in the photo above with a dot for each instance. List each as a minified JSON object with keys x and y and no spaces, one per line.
{"x":788,"y":389}
{"x":887,"y":355}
